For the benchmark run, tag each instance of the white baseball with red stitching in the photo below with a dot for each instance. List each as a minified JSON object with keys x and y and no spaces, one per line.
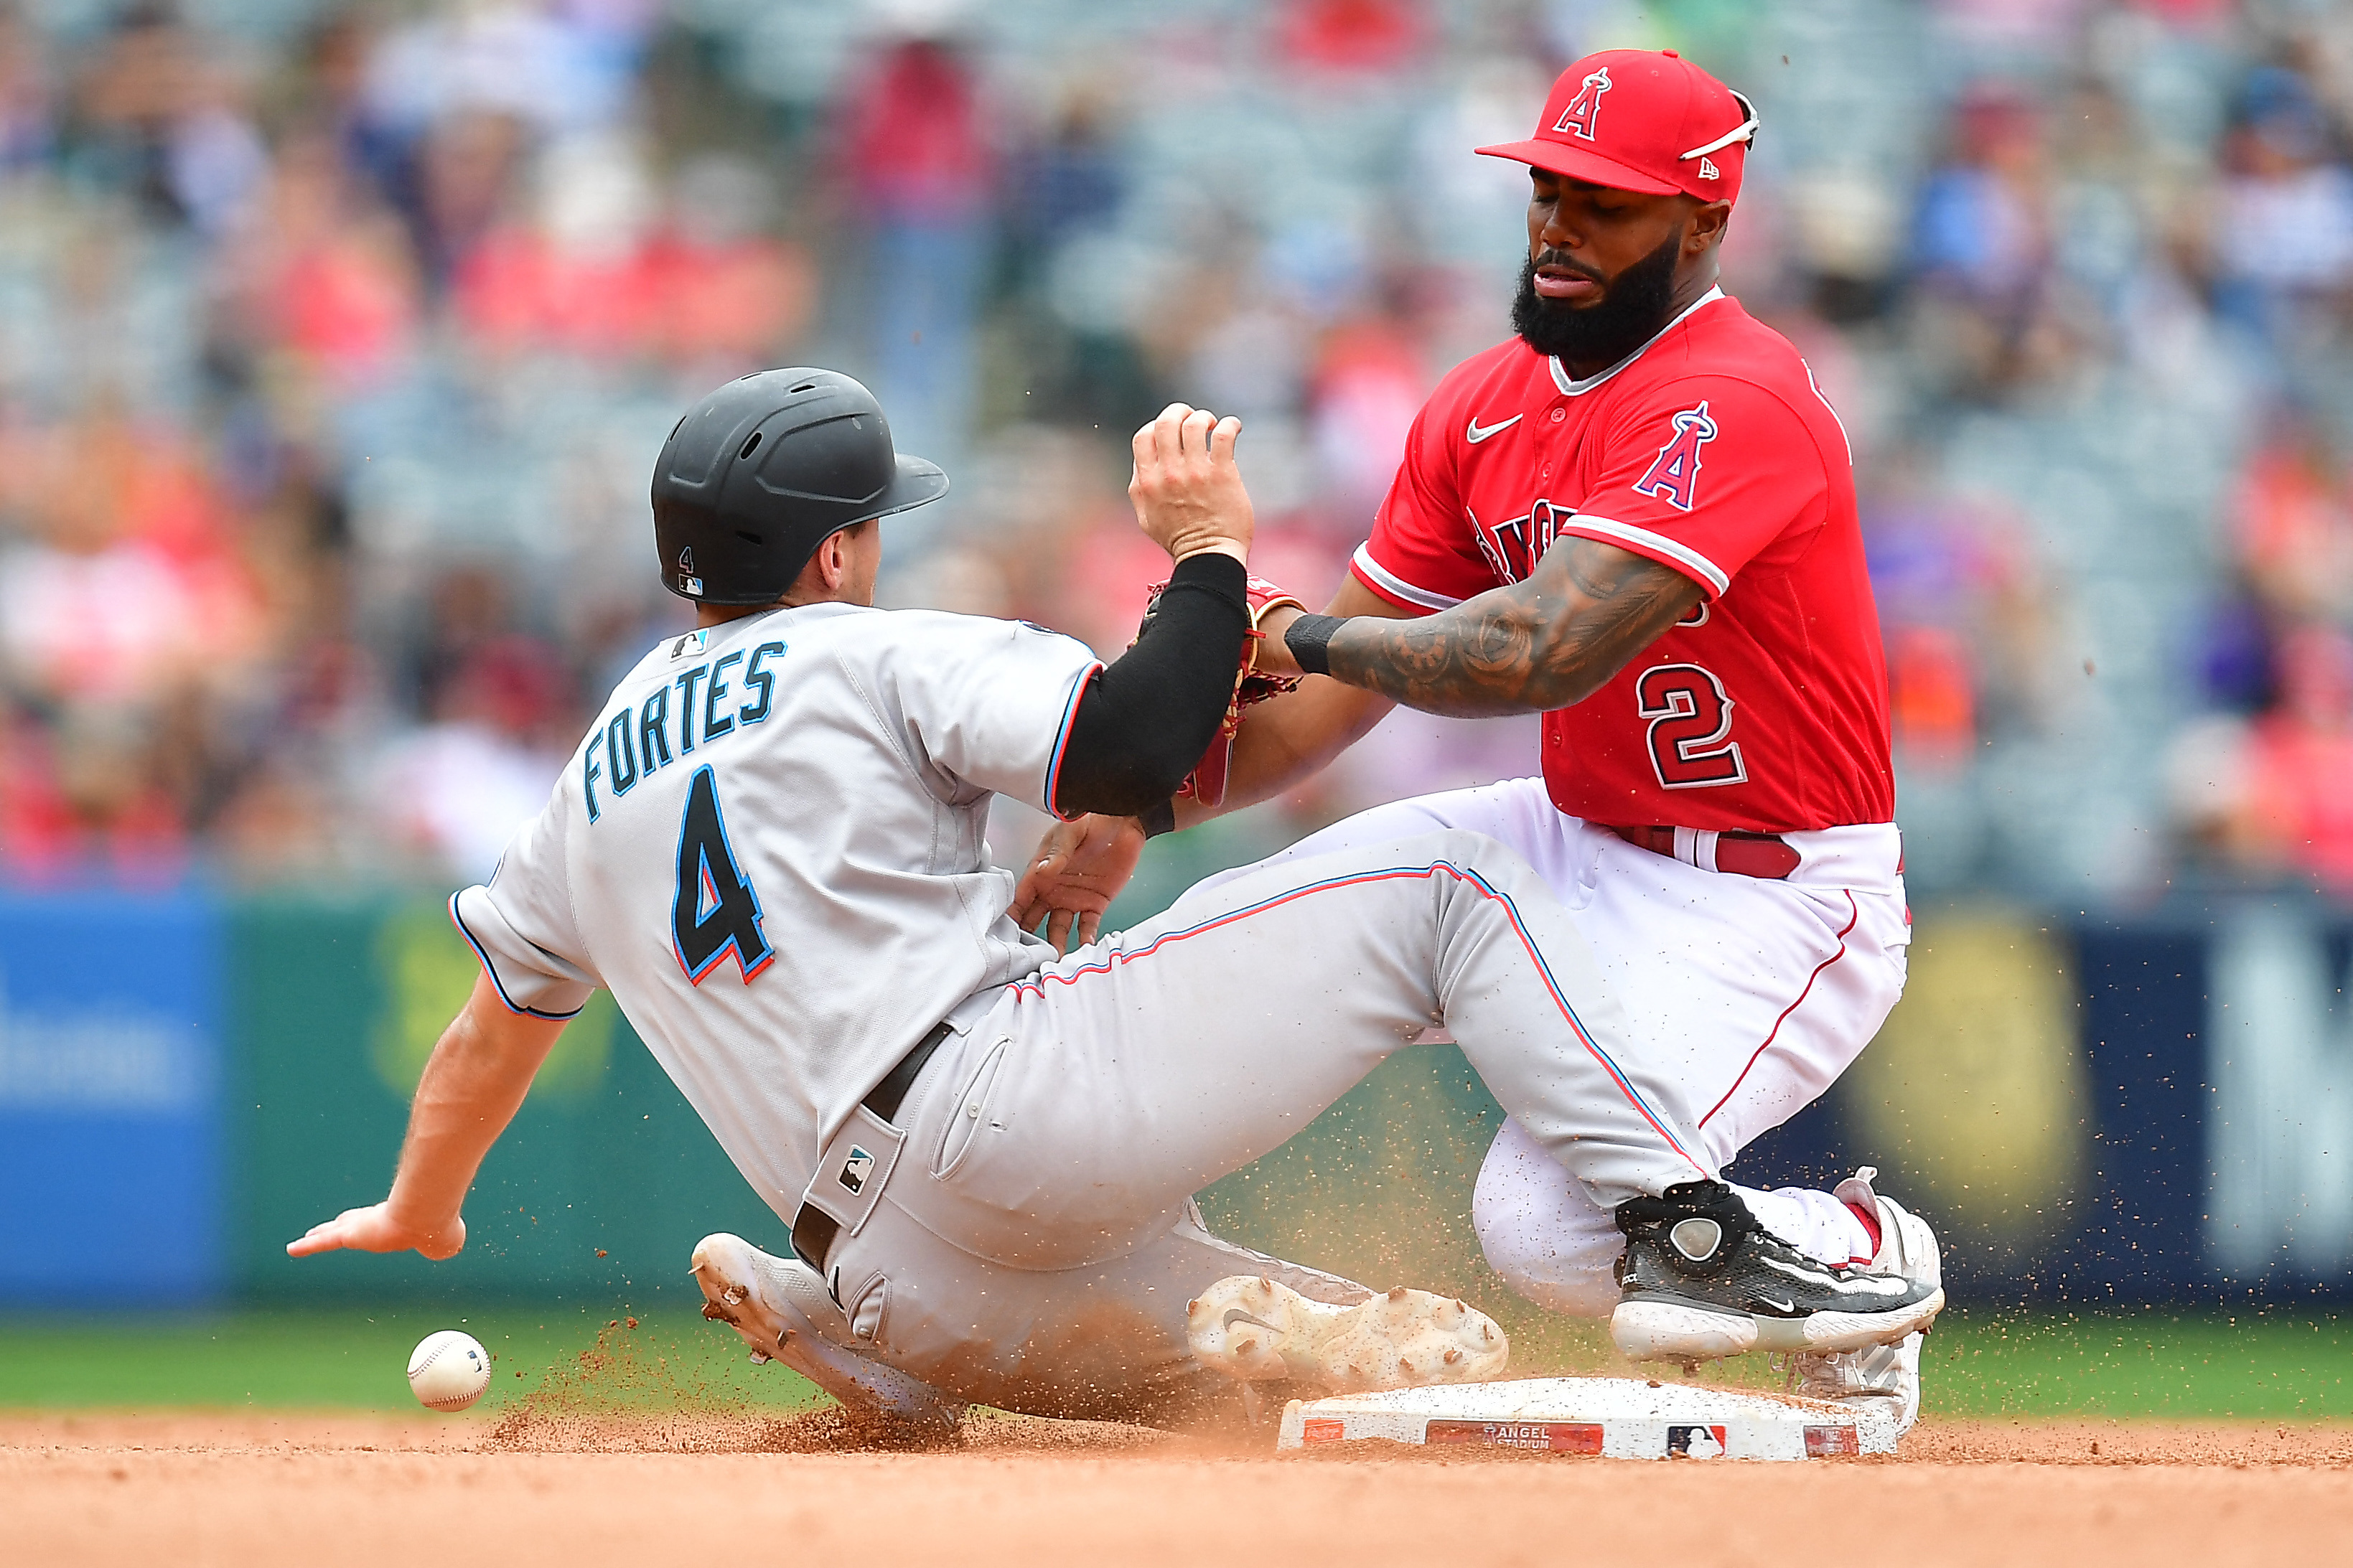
{"x":448,"y":1369}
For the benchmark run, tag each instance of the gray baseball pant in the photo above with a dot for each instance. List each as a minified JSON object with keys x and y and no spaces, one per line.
{"x":1023,"y":1234}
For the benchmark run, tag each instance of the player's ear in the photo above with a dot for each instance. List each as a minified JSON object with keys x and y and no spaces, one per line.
{"x":1709,"y":222}
{"x":821,"y":574}
{"x":833,"y":560}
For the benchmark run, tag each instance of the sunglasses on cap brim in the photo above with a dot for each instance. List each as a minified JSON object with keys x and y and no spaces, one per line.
{"x":1744,"y":132}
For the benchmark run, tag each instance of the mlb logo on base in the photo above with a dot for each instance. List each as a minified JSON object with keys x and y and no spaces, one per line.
{"x":1695,"y":1442}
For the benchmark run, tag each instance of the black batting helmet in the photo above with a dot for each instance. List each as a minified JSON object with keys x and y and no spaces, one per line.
{"x":756,"y":475}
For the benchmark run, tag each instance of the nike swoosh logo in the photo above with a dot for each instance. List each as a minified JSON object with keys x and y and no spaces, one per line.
{"x":1864,"y":1285}
{"x":1475,"y":435}
{"x":1241,"y":1315}
{"x":1777,"y":1306}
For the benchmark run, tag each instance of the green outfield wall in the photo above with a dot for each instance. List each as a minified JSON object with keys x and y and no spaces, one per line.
{"x":603,"y":1184}
{"x":2094,"y":1110}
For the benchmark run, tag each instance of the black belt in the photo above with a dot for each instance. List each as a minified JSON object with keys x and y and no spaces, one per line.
{"x":813,"y":1229}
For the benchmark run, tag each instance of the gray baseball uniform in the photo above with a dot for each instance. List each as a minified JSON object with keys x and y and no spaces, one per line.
{"x":769,"y":849}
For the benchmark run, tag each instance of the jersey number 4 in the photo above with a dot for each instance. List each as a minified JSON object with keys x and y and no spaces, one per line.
{"x":715,"y":913}
{"x":1690,"y":727}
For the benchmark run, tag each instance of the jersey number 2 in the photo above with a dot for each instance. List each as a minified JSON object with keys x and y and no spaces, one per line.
{"x":716,"y":912}
{"x":1690,"y":727}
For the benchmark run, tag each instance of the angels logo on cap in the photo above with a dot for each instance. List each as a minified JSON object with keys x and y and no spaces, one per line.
{"x":1670,"y":127}
{"x":1578,"y":115}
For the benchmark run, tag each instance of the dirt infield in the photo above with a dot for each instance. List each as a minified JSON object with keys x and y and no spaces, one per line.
{"x":257,"y":1490}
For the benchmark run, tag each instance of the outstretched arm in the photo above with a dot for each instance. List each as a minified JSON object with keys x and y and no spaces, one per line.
{"x":1543,"y":644}
{"x":473,"y":1084}
{"x":1546,"y":643}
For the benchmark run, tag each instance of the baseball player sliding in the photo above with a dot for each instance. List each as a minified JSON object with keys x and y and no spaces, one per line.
{"x":1637,"y":517}
{"x":768,"y":847}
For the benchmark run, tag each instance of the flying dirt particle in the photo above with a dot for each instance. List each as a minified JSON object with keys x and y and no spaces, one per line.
{"x":617,"y":1397}
{"x":600,"y":1252}
{"x":633,"y":1322}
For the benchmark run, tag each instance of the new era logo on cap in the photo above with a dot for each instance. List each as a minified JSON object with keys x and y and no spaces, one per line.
{"x":1642,"y":121}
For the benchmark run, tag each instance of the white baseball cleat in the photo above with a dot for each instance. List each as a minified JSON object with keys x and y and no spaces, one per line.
{"x":1882,"y":1384}
{"x":781,"y":1308}
{"x":1250,"y":1327}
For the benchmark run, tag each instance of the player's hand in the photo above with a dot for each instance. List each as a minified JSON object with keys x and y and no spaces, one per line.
{"x":374,"y":1229}
{"x":1187,"y":493}
{"x":1078,"y":868}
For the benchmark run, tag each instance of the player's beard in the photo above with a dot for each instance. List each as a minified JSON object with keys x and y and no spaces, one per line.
{"x":1632,"y":308}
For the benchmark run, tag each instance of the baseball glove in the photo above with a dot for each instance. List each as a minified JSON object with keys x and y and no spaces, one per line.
{"x":1206,"y":781}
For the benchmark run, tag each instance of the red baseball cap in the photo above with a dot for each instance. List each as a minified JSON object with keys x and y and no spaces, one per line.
{"x":1638,"y":121}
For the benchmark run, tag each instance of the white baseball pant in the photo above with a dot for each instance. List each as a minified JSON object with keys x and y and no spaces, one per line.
{"x":1752,"y":995}
{"x":1023,"y":1233}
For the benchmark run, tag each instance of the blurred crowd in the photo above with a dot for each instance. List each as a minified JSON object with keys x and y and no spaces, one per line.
{"x":336,"y":339}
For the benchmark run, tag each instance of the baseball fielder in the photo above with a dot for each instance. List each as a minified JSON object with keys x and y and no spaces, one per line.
{"x":768,"y":847}
{"x":1637,"y":517}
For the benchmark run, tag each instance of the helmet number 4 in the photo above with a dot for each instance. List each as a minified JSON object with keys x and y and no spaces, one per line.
{"x":716,"y":912}
{"x":1690,"y":727}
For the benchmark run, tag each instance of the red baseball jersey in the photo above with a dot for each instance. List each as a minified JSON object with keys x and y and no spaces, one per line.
{"x":1711,"y":451}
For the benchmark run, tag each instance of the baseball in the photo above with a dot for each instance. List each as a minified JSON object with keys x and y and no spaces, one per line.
{"x":448,"y":1369}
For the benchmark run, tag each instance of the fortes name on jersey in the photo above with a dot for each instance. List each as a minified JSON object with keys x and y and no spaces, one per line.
{"x":714,"y":700}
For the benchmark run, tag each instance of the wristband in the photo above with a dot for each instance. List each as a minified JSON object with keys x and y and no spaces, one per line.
{"x":1159,"y":819}
{"x":1309,"y":639}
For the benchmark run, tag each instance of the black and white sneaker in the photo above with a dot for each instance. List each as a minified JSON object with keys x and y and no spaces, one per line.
{"x":1701,"y":1279}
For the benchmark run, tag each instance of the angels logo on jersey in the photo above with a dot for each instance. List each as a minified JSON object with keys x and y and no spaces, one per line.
{"x":1513,"y":548}
{"x":1578,"y":116}
{"x":1673,"y":476}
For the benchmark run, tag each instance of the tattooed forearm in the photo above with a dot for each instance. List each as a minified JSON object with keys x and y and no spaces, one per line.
{"x":1543,"y":644}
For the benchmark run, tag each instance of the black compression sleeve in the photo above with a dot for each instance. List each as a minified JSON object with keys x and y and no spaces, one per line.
{"x":1146,"y":720}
